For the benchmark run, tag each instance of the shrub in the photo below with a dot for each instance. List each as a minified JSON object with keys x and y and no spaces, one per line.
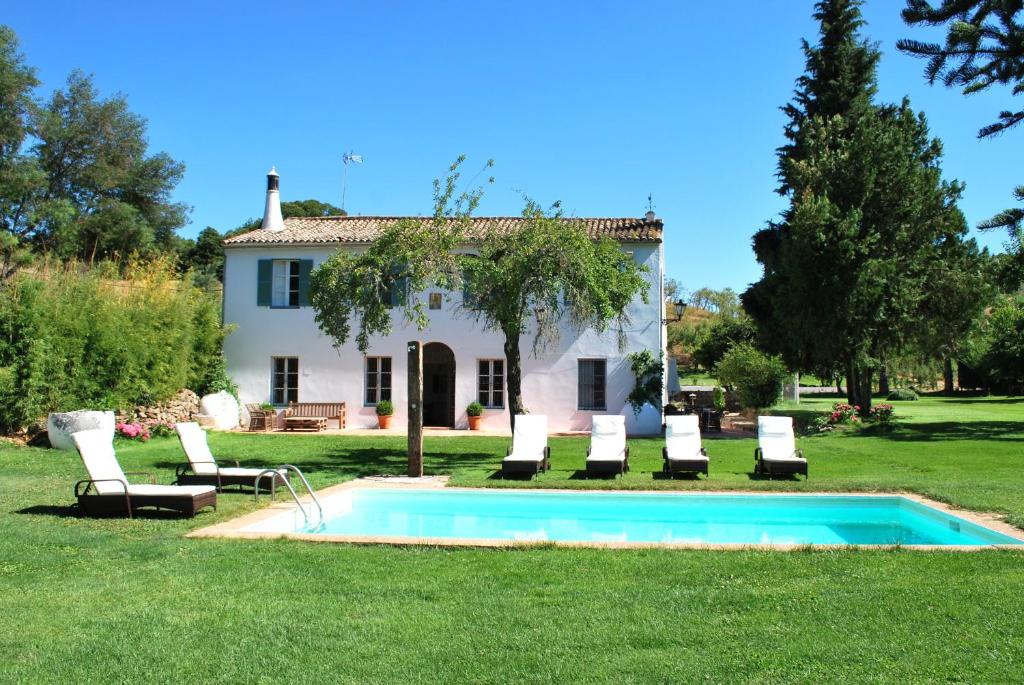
{"x":474,"y":409}
{"x":385,"y":408}
{"x":902,"y":395}
{"x":77,"y":338}
{"x":648,"y":372}
{"x":756,"y":376}
{"x":718,"y":398}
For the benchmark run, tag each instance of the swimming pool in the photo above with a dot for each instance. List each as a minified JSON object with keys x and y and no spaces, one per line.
{"x":388,"y":514}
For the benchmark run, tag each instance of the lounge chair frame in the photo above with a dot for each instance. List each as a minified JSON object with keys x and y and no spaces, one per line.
{"x":770,"y":468}
{"x":105,"y":505}
{"x":674,"y":466}
{"x":608,"y":467}
{"x":526,"y":468}
{"x":184,"y":475}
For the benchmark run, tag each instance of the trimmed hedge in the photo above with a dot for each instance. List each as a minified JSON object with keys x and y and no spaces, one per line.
{"x":76,"y":338}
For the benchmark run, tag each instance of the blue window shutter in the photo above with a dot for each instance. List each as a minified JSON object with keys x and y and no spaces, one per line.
{"x":264,"y":282}
{"x":305,"y":267}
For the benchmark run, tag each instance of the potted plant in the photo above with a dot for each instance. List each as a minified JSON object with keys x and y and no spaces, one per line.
{"x":473,"y":411}
{"x":385,"y":410}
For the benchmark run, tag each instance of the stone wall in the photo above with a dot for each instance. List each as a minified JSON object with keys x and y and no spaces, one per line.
{"x":182,"y":407}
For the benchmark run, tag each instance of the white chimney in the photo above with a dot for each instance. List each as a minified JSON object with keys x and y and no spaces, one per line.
{"x":272,"y":220}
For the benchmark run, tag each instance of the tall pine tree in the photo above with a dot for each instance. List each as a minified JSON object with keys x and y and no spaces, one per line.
{"x":847,"y":268}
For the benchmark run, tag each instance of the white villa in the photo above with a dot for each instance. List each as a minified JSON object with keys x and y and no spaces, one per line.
{"x":278,"y":354}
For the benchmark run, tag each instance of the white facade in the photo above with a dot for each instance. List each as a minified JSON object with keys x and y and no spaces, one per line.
{"x":325,"y":374}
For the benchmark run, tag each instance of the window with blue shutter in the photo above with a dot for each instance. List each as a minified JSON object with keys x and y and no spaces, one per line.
{"x":283,"y":283}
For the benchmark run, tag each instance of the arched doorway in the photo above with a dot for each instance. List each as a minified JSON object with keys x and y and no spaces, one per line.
{"x":438,"y":385}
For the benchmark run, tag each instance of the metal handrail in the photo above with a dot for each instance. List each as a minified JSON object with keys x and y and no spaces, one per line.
{"x":273,"y":489}
{"x":305,"y":482}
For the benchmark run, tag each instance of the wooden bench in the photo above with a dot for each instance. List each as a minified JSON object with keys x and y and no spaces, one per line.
{"x":313,"y":415}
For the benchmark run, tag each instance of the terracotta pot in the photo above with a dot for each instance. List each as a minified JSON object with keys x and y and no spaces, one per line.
{"x":384,"y":422}
{"x":474,"y":422}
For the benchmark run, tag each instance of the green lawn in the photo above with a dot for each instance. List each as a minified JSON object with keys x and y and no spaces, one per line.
{"x":134,"y":600}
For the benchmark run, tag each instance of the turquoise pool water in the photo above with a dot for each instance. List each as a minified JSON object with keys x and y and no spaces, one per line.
{"x":641,"y":517}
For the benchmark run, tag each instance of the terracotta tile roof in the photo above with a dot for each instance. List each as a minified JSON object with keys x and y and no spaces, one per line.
{"x":364,"y":229}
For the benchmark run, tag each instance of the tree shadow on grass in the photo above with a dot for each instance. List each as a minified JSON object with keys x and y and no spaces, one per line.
{"x":371,"y":461}
{"x":1000,"y":431}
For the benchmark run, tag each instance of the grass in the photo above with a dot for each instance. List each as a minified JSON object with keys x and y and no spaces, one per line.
{"x":134,"y":600}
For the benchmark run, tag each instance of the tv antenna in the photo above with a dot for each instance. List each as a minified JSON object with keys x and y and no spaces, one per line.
{"x":348,"y":157}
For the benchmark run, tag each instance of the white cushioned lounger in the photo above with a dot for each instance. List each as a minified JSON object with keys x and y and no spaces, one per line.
{"x":683,"y":452}
{"x":776,"y":452}
{"x":529,"y":451}
{"x":107,"y":489}
{"x":608,"y":453}
{"x":203,"y":466}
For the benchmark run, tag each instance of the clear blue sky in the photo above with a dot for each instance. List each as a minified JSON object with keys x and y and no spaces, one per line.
{"x":596,"y":104}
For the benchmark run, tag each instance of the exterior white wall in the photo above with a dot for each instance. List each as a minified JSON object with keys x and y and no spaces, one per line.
{"x":337,"y":375}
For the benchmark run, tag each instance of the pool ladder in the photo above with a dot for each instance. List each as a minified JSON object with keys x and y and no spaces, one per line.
{"x":291,"y":490}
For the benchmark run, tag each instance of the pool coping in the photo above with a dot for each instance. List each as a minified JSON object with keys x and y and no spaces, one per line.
{"x":235,"y":528}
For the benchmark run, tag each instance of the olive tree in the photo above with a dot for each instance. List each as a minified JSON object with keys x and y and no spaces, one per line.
{"x":523,"y":282}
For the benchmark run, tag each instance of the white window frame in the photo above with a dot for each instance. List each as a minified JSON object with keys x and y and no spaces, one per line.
{"x":284,"y":288}
{"x":594,"y":405}
{"x":493,"y":388}
{"x":287,"y":393}
{"x":373,"y":380}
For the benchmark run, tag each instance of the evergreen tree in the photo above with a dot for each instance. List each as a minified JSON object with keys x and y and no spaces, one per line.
{"x":847,"y":269}
{"x":984,"y":46}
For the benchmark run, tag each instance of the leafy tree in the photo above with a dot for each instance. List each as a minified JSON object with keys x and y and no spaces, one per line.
{"x":721,"y":336}
{"x":724,"y":303}
{"x":995,"y":347}
{"x":20,"y":176}
{"x":984,"y":46}
{"x":521,"y":283}
{"x":206,"y":255}
{"x":290,"y":209}
{"x":850,"y":266}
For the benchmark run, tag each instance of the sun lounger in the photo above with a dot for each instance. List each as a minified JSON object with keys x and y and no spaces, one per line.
{"x":202,"y":468}
{"x":683,"y":452}
{"x":107,"y":490}
{"x":776,"y":453}
{"x":529,"y":453}
{"x":607,"y":453}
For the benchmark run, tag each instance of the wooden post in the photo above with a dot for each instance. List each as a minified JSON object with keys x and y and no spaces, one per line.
{"x":415,"y":409}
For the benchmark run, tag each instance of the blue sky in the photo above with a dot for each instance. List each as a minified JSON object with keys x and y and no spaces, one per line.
{"x":596,"y":104}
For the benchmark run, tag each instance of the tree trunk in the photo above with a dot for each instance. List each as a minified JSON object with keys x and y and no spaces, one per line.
{"x":513,"y":378}
{"x":883,"y":380}
{"x":858,"y":387}
{"x":947,"y":376}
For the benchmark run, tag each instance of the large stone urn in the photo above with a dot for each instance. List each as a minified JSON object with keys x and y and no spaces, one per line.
{"x":218,"y":410}
{"x":60,"y":426}
{"x":646,"y":422}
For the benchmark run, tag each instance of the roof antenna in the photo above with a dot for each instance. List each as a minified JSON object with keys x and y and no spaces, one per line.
{"x":345,"y":159}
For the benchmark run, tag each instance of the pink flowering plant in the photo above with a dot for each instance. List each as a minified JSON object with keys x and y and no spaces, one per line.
{"x":883,"y":414}
{"x":132,"y":431}
{"x":843,"y":413}
{"x":144,"y":430}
